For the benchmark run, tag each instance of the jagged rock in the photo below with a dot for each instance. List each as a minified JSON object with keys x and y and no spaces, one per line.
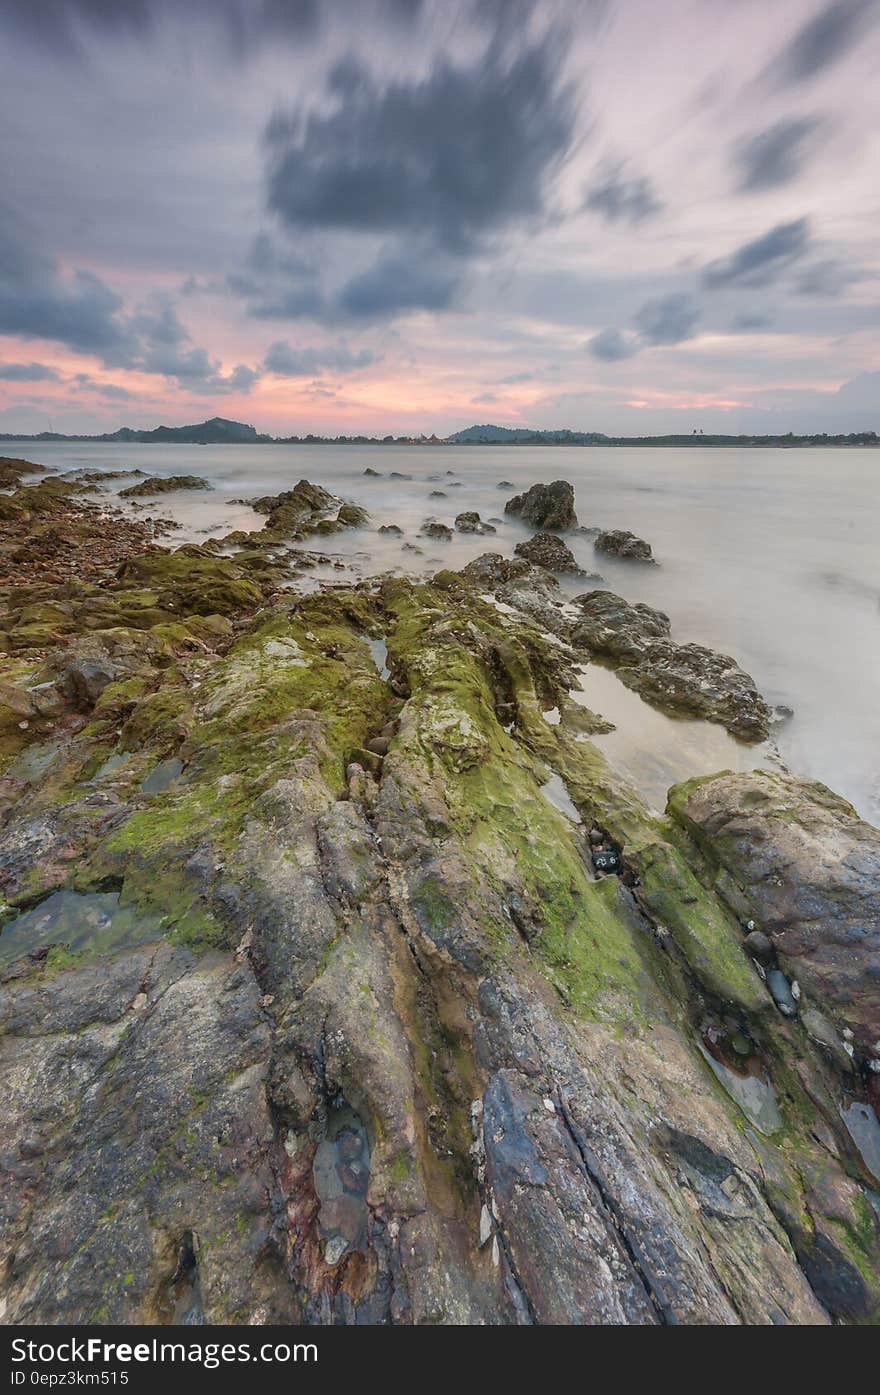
{"x":546,"y":550}
{"x":545,"y":506}
{"x":373,"y":998}
{"x":620,"y":543}
{"x":678,"y":677}
{"x":492,"y":569}
{"x":352,"y":516}
{"x":391,"y":528}
{"x":430,"y":529}
{"x":472,"y":523}
{"x":164,"y":484}
{"x":808,"y":870}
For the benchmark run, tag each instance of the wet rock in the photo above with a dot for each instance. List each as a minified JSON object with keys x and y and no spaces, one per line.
{"x":620,"y":543}
{"x":505,"y":484}
{"x":809,"y":869}
{"x":471,"y":522}
{"x":545,"y":506}
{"x":546,"y":550}
{"x":430,"y":529}
{"x":491,"y":569}
{"x":164,"y":484}
{"x":391,"y":528}
{"x":352,"y":516}
{"x":676,"y":677}
{"x":782,"y":995}
{"x":760,"y":946}
{"x":396,"y":475}
{"x":373,"y":474}
{"x":438,"y":494}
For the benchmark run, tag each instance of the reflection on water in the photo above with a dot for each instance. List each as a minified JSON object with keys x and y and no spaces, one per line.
{"x":341,"y":1173}
{"x":768,"y":555}
{"x":162,"y":776}
{"x":379,"y":651}
{"x":555,"y":792}
{"x":654,"y":750}
{"x":92,"y":921}
{"x":753,"y":1093}
{"x":864,"y":1130}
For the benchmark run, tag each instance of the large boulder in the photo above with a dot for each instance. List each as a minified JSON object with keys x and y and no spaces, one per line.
{"x":546,"y":550}
{"x":798,"y":860}
{"x":620,"y":543}
{"x":545,"y":506}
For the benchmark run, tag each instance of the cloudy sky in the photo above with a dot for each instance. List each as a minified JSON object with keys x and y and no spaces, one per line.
{"x":402,"y":215}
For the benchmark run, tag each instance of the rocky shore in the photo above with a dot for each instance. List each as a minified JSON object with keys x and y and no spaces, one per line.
{"x":341,"y":985}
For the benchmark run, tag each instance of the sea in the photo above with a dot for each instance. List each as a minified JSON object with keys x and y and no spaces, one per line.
{"x":771,"y":556}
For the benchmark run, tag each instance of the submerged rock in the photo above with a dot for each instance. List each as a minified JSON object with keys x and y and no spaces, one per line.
{"x":620,"y":543}
{"x":545,"y":506}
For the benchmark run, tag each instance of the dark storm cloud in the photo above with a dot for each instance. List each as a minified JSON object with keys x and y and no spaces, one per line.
{"x":287,"y":362}
{"x":668,"y":320}
{"x":619,"y":199}
{"x":758,"y":262}
{"x":610,"y":345}
{"x":775,"y":156}
{"x":242,"y":25}
{"x":398,"y":283}
{"x":451,"y":157}
{"x":828,"y":278}
{"x":27,"y":373}
{"x":84,"y":314}
{"x":825,"y":38}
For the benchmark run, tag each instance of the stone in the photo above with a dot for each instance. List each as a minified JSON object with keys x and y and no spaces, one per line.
{"x":809,"y":869}
{"x":759,"y":945}
{"x":546,"y":550}
{"x":432,"y":529}
{"x":470,"y":522}
{"x":782,"y":995}
{"x":679,"y":678}
{"x":548,"y":506}
{"x":619,"y":543}
{"x":164,"y":484}
{"x":391,"y":528}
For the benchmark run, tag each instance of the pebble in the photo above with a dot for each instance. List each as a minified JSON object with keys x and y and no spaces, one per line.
{"x":760,"y":946}
{"x":781,"y":991}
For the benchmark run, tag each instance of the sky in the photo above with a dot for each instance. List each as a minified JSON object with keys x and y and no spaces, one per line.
{"x":406,"y":216}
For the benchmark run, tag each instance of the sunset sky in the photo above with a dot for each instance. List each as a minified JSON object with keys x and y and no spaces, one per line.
{"x":400,"y":215}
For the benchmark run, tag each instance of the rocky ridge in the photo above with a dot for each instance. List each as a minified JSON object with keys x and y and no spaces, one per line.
{"x":373,"y":1040}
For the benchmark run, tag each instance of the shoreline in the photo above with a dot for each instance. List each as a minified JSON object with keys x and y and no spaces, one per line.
{"x":329,"y":934}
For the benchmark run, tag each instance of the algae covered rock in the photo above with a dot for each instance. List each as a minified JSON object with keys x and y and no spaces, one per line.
{"x":620,"y":543}
{"x":163,"y":484}
{"x":374,"y":1044}
{"x":545,"y":506}
{"x":546,"y":550}
{"x":808,"y":869}
{"x":682,"y":678}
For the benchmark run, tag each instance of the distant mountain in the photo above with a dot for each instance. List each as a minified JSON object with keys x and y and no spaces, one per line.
{"x":216,"y":432}
{"x":525,"y":436}
{"x":219,"y":431}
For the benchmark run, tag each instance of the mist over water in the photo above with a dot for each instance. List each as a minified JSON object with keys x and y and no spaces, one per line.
{"x":769,"y":555}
